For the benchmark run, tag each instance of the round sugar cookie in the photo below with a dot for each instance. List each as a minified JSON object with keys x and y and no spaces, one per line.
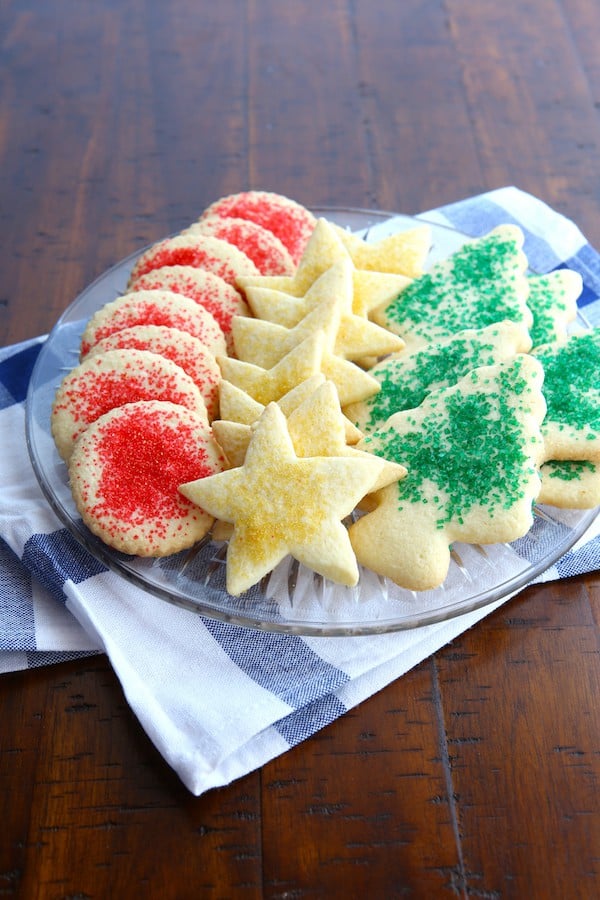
{"x":154,"y":307}
{"x":203,"y":251}
{"x":262,"y":246}
{"x":221,"y":299}
{"x":178,"y":346}
{"x":291,"y":222}
{"x":125,"y":473}
{"x":103,"y":382}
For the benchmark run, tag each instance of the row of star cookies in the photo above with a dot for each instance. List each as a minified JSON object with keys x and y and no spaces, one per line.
{"x":295,"y":473}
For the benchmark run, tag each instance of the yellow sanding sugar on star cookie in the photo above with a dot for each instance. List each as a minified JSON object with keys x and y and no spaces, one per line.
{"x":348,"y":335}
{"x":317,"y":427}
{"x":310,"y":357}
{"x":280,"y":504}
{"x":324,"y":250}
{"x":401,"y":253}
{"x":237,"y":407}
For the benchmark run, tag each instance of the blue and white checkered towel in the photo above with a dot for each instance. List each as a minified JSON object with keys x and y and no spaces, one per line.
{"x":218,"y":700}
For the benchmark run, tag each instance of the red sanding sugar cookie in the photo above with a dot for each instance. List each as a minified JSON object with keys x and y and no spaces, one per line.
{"x":221,"y":299}
{"x":292,"y":223}
{"x":154,"y":308}
{"x":125,"y":473}
{"x":103,"y":382}
{"x":262,"y":246}
{"x":203,"y":251}
{"x":178,"y":346}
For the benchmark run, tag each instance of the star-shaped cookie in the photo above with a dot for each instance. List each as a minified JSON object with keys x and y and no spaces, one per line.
{"x":280,"y":504}
{"x":349,"y":336}
{"x":401,"y":253}
{"x":271,"y":296}
{"x":317,"y":427}
{"x":265,"y":385}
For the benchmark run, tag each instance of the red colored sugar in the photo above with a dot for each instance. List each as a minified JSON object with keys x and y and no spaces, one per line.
{"x":176,"y":252}
{"x":262,"y":246}
{"x":153,"y":314}
{"x":144,"y":460}
{"x":289,"y":221}
{"x":217,"y":296}
{"x":95,"y":393}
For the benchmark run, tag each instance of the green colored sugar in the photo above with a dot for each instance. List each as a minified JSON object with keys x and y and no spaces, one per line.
{"x":470,"y":446}
{"x":475,"y":287}
{"x":572,"y":382}
{"x":569,"y":470}
{"x":405,"y":386}
{"x":546,"y":300}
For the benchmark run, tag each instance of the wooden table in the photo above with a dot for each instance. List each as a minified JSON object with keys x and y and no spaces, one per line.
{"x":476,"y":773}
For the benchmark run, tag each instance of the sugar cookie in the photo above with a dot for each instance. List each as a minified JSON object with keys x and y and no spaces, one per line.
{"x":324,"y":250}
{"x":264,"y":248}
{"x":407,"y":378}
{"x":317,"y":427}
{"x":400,"y":253}
{"x":222,"y":300}
{"x":472,"y":452}
{"x":481,"y":283}
{"x":199,"y":250}
{"x":291,"y":222}
{"x":178,"y":346}
{"x":570,"y":484}
{"x":280,"y":504}
{"x":101,"y":383}
{"x":349,"y":336}
{"x":552,"y":300}
{"x":125,"y":470}
{"x":571,"y":428}
{"x":154,"y":307}
{"x":265,"y":385}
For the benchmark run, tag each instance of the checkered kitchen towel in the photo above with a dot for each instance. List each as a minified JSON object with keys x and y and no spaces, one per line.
{"x":216,"y":699}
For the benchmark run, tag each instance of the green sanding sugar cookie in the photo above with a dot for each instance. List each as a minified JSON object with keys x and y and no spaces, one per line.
{"x":472,"y":453}
{"x":481,"y":283}
{"x":570,"y":484}
{"x":571,"y":428}
{"x":407,"y":378}
{"x":553,"y":302}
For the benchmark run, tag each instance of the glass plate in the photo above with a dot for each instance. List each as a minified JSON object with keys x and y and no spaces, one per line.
{"x":292,"y":598}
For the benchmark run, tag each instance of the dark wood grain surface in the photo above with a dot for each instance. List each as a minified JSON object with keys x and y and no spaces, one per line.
{"x":476,"y":774}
